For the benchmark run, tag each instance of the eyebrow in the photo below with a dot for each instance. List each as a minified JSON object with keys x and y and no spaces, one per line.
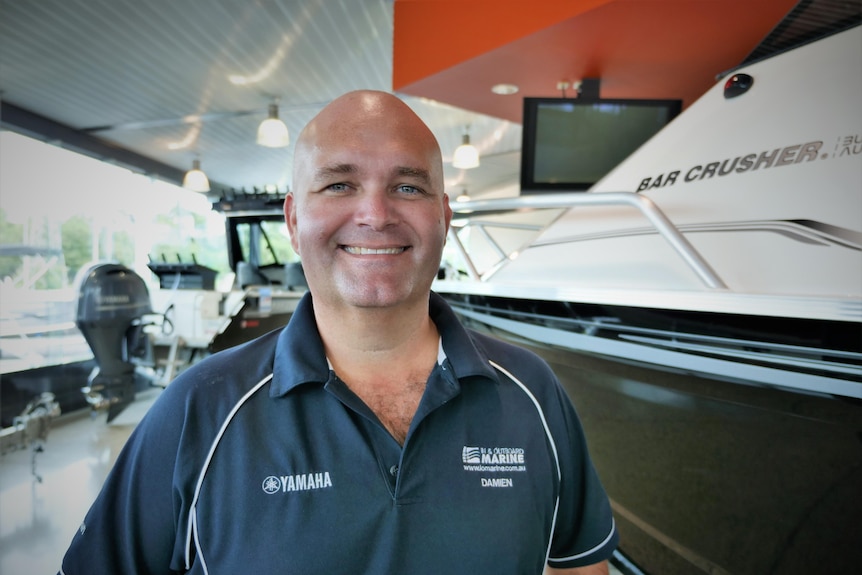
{"x":327,"y":172}
{"x":416,"y":173}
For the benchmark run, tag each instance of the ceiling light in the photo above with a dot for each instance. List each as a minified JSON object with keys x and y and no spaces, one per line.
{"x":195,"y":180}
{"x":272,"y":132}
{"x":504,"y":89}
{"x":466,"y":155}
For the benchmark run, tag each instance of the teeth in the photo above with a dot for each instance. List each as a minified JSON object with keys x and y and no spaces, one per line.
{"x":371,"y":251}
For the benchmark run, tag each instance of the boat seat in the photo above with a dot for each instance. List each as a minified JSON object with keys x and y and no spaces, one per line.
{"x":248,"y":275}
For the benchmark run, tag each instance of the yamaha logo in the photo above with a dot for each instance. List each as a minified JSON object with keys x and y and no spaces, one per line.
{"x":114,"y":298}
{"x":301,"y":482}
{"x":271,"y":484}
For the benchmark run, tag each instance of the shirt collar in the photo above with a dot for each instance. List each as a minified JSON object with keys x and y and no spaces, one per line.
{"x":300,"y":357}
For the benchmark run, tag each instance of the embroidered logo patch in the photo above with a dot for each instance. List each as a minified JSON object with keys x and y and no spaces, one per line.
{"x":494,"y":459}
{"x":299,"y":482}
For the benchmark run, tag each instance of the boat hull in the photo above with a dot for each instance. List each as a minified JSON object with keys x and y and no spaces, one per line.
{"x":65,"y":381}
{"x":707,"y":472}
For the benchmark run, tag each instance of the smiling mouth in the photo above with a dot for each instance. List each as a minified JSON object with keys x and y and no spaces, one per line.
{"x":360,"y":251}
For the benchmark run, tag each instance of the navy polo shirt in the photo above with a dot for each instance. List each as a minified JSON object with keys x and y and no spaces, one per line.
{"x":259,"y":459}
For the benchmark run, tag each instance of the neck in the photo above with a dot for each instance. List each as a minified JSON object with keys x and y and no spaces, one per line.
{"x":384,"y":357}
{"x":372,"y":342}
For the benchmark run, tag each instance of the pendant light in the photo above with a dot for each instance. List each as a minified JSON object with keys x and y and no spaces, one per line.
{"x":272,"y":132}
{"x":195,"y":179}
{"x":466,"y":155}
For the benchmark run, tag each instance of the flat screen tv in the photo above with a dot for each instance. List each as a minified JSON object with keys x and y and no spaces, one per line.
{"x":569,"y":144}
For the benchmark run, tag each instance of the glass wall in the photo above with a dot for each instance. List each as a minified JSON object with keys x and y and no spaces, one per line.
{"x":60,"y":212}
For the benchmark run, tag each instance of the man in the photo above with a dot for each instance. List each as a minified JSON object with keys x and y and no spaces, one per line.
{"x":374,"y":434}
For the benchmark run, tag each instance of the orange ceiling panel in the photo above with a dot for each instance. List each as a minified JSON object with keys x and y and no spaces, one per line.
{"x":433,"y":35}
{"x":637,"y":48}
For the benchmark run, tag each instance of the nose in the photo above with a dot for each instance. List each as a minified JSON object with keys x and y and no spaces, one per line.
{"x":376,"y":209}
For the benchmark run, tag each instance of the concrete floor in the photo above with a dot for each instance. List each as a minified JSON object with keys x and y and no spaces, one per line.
{"x":38,"y":518}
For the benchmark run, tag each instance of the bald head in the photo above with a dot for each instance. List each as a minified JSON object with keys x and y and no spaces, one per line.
{"x":365,"y":120}
{"x":367,"y":212}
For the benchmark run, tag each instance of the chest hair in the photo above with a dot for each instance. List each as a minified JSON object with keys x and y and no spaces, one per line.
{"x":394,"y":405}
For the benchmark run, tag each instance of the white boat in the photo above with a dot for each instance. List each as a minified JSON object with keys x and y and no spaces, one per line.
{"x":702,"y":305}
{"x":41,"y":350}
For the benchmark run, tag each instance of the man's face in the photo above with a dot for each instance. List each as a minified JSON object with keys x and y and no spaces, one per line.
{"x":368,"y":215}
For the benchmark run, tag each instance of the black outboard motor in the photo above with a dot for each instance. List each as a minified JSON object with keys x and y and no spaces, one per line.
{"x":112,"y":300}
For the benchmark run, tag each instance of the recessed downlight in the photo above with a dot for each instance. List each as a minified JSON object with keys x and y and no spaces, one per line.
{"x":504,"y":89}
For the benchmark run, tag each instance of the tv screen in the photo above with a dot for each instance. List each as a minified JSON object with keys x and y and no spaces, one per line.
{"x":570,"y":144}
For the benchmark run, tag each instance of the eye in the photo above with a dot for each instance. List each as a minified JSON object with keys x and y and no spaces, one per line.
{"x":408,"y":190}
{"x":337,"y":188}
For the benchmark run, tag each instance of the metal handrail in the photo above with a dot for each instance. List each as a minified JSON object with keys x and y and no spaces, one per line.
{"x":646,"y":206}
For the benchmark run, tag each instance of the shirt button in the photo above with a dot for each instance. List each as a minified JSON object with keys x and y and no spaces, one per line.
{"x":393,"y":470}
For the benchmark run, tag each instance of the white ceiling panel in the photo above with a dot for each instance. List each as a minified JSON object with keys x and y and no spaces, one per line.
{"x":175,"y":80}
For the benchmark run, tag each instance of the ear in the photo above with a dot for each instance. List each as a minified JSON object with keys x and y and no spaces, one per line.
{"x":447,"y":213}
{"x":290,"y":220}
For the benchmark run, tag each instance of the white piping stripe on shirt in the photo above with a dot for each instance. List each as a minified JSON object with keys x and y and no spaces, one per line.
{"x":594,"y":549}
{"x":553,"y":448}
{"x":192,"y":524}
